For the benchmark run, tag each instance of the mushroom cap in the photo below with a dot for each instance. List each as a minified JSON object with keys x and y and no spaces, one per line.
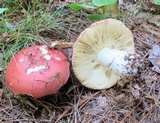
{"x":109,"y":33}
{"x":37,"y":71}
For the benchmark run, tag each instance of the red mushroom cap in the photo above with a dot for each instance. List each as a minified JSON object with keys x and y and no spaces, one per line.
{"x":37,"y":71}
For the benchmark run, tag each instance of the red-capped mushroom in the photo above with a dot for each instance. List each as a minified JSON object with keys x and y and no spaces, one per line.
{"x":37,"y":71}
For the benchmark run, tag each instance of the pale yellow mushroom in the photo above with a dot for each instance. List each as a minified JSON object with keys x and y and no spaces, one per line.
{"x":103,"y":53}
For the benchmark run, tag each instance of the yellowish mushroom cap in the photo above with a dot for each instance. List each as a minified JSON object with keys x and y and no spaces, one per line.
{"x":109,"y":33}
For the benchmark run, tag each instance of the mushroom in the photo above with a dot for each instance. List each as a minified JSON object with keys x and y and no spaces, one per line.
{"x":37,"y":71}
{"x":103,"y":53}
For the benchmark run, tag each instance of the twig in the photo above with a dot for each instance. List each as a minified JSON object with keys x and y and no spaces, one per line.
{"x":59,"y":44}
{"x":87,"y":100}
{"x":63,"y":114}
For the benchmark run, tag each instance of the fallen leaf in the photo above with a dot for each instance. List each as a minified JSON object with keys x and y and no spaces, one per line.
{"x":101,"y":101}
{"x":154,"y":58}
{"x":135,"y":91}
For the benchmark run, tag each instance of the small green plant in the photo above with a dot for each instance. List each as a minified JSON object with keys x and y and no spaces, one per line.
{"x":104,"y":8}
{"x":3,"y":10}
{"x":21,"y":30}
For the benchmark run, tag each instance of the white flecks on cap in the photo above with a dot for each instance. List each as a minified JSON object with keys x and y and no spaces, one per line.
{"x":47,"y":57}
{"x":20,"y":60}
{"x":35,"y":69}
{"x":43,"y":49}
{"x":57,"y":58}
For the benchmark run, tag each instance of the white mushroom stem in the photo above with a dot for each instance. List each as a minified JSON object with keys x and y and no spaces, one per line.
{"x":118,"y":61}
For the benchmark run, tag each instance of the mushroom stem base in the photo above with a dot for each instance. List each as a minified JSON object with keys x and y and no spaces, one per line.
{"x":118,"y":61}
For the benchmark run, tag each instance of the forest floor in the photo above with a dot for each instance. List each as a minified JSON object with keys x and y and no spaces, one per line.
{"x":138,"y":101}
